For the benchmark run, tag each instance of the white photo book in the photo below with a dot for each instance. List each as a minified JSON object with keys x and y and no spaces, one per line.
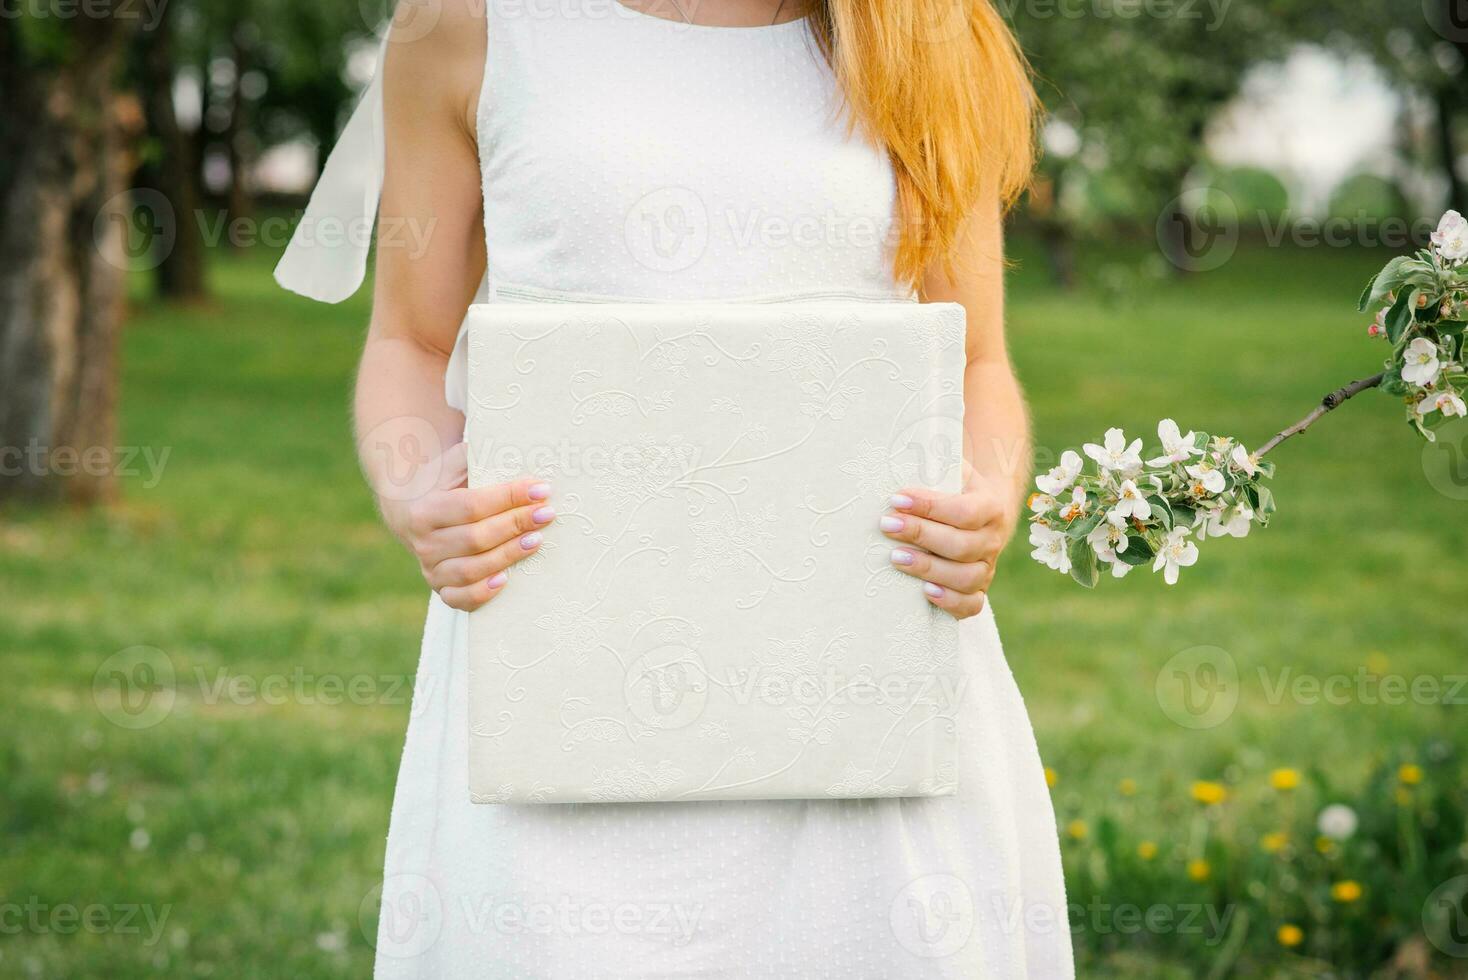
{"x":713,"y":614}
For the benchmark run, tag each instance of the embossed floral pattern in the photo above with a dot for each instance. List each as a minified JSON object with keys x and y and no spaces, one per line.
{"x":713,"y":615}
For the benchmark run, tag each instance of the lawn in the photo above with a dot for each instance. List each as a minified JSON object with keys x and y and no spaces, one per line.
{"x":242,"y":834}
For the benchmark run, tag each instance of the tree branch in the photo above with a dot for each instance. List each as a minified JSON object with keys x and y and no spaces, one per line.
{"x":1329,"y":403}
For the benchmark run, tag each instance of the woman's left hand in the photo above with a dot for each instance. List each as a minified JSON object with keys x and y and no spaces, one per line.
{"x":956,"y":539}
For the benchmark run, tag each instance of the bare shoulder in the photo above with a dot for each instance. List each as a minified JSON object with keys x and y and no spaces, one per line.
{"x":435,"y":55}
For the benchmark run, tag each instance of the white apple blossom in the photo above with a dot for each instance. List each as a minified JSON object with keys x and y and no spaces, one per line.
{"x":1207,"y":477}
{"x":1420,"y":365}
{"x":1050,"y":548}
{"x":1231,"y":522}
{"x":1451,"y":238}
{"x":1077,"y":507}
{"x":1060,"y":477}
{"x":1107,"y":540}
{"x":1130,"y":504}
{"x":1448,"y":402}
{"x":1176,"y":447}
{"x":1041,"y":503}
{"x":1245,"y":460}
{"x":1115,"y":454}
{"x":1176,"y":552}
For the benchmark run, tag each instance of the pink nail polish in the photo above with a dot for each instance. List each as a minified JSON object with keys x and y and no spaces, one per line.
{"x":900,"y":557}
{"x":497,"y":579}
{"x":539,"y":491}
{"x":530,"y":540}
{"x":542,"y":514}
{"x":936,"y":591}
{"x":901,"y":501}
{"x":890,"y":523}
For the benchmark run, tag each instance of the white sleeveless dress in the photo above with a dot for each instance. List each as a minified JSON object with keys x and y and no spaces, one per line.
{"x":629,"y":157}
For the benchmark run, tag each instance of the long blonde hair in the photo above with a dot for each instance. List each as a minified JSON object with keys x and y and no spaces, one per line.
{"x":943,"y":86}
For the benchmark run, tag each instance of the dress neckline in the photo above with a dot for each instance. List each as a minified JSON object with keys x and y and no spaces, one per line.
{"x":633,"y":13}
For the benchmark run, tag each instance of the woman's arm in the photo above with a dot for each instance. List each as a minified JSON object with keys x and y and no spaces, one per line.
{"x":430,"y":260}
{"x":959,"y":536}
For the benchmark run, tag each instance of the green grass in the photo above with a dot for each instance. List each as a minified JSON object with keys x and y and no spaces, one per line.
{"x":259,"y":827}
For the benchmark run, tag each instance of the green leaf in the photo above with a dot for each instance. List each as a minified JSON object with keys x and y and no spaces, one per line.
{"x":1366,"y":294}
{"x":1161,"y":511}
{"x":1399,"y":317}
{"x":1139,"y":551}
{"x":1084,"y":526}
{"x":1083,"y":566}
{"x":1450,"y":328}
{"x":1183,"y":516}
{"x":1265,"y":504}
{"x":1392,"y":383}
{"x":1390,"y":279}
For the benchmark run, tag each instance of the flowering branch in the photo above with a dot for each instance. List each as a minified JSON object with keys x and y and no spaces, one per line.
{"x":1329,"y":403}
{"x":1132,"y":512}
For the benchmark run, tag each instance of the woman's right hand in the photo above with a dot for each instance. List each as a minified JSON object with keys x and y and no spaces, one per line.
{"x":465,"y":540}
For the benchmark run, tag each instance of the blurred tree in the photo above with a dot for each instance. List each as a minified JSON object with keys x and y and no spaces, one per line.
{"x":1422,"y":46}
{"x":170,"y":164}
{"x":62,"y":176}
{"x":1368,"y":197}
{"x":1131,"y":88}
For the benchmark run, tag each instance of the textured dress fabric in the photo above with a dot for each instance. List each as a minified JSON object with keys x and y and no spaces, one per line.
{"x":628,"y":157}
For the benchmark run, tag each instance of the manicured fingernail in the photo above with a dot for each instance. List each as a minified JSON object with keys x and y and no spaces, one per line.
{"x":900,"y":557}
{"x":497,"y":579}
{"x":539,"y":491}
{"x":890,"y":523}
{"x":530,"y":540}
{"x":542,"y":514}
{"x":936,"y":591}
{"x":901,"y":501}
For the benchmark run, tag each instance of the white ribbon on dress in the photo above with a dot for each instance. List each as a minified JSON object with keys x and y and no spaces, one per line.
{"x":326,"y":259}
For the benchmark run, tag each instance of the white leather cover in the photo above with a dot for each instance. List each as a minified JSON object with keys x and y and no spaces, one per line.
{"x":713,"y":614}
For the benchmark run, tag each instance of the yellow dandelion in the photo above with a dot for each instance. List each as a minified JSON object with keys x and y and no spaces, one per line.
{"x":1208,"y":792}
{"x":1410,"y":774}
{"x":1127,"y":787}
{"x":1377,"y":663}
{"x":1146,"y":850}
{"x":1290,"y":935}
{"x":1274,"y":842}
{"x":1077,"y":829}
{"x":1199,"y":869}
{"x":1050,"y":778}
{"x":1345,"y":891}
{"x":1284,"y":779}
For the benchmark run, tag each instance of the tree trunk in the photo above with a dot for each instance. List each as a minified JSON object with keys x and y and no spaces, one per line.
{"x":174,"y":173}
{"x":238,"y":135}
{"x":1447,"y":149}
{"x":61,"y":263}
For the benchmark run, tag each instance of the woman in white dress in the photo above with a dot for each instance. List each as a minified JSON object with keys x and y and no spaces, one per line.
{"x":653,"y":150}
